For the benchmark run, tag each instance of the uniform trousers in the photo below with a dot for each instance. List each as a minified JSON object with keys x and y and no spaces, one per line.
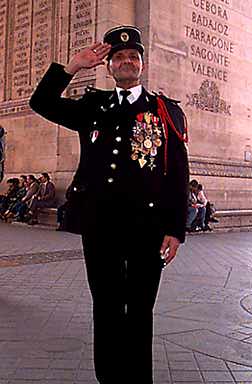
{"x":35,"y":204}
{"x":122,"y":254}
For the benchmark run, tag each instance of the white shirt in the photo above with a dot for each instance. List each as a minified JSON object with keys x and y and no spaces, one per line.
{"x":135,"y":93}
{"x":202,"y":198}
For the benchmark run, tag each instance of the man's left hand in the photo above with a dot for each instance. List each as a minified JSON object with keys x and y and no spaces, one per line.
{"x":169,"y":248}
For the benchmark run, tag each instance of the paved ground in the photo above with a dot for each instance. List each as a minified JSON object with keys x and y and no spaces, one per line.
{"x":203,"y":317}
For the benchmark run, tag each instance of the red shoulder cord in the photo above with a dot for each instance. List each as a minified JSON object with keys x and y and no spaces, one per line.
{"x":166,"y":119}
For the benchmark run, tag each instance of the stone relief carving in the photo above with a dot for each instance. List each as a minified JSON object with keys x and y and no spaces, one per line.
{"x":208,"y":99}
{"x":220,"y":169}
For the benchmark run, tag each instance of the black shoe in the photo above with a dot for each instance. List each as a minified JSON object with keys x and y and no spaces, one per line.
{"x":60,"y":229}
{"x":17,"y":219}
{"x":32,"y":222}
{"x":27,"y":218}
{"x":213,"y":220}
{"x":2,"y":217}
{"x":207,"y":228}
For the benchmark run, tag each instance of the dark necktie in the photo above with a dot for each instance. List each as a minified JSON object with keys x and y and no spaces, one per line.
{"x":125,"y":103}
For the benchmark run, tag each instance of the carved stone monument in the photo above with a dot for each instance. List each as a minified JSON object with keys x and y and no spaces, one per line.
{"x":197,"y":51}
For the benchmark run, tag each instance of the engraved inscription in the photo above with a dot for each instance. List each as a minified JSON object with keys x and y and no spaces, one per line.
{"x":42,"y":38}
{"x":21,"y":48}
{"x":82,"y":28}
{"x":14,"y":108}
{"x":3,"y":16}
{"x":211,"y":46}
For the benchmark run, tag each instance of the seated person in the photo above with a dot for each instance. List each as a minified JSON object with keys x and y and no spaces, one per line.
{"x":44,"y":198}
{"x":13,"y":206}
{"x":201,"y":205}
{"x":208,"y":215}
{"x":9,"y":197}
{"x":192,"y":205}
{"x":21,"y":207}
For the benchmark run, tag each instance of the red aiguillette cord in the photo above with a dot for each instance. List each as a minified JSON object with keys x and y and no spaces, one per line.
{"x":166,"y":119}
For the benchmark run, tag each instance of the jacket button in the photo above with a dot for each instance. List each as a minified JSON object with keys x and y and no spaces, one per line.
{"x":113,"y":166}
{"x":110,"y":180}
{"x":115,"y":152}
{"x":118,"y":139}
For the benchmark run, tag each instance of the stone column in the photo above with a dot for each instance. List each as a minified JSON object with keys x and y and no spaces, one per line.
{"x":3,"y":48}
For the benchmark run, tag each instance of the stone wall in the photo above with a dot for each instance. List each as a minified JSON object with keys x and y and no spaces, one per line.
{"x":200,"y":53}
{"x":197,"y":51}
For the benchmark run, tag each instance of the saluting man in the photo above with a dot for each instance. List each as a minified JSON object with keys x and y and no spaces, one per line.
{"x":133,"y":176}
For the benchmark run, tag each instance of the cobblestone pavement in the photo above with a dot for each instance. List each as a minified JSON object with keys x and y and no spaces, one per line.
{"x":203,"y":316}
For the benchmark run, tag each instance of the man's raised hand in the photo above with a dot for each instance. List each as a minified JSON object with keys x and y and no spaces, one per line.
{"x":89,"y":57}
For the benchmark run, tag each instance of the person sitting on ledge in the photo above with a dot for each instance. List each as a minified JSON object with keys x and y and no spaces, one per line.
{"x":192,"y":209}
{"x":44,"y":198}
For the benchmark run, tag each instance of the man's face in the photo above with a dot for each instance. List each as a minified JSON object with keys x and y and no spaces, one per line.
{"x":22,"y":182}
{"x":42,"y":179}
{"x":126,"y":65}
{"x":194,"y":188}
{"x":29,"y":181}
{"x":10,"y":185}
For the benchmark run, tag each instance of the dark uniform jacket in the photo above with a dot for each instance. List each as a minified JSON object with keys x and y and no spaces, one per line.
{"x":106,"y":167}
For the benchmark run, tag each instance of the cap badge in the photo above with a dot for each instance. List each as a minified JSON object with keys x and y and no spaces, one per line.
{"x":124,"y":37}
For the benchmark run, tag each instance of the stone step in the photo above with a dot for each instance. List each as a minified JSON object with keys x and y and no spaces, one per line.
{"x":48,"y":217}
{"x":233,"y":219}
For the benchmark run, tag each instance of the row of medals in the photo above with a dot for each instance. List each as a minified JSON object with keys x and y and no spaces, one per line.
{"x":147,"y":137}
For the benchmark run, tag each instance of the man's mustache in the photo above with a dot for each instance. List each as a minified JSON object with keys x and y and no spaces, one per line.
{"x":127,"y":66}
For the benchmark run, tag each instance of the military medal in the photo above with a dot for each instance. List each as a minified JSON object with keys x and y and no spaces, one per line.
{"x":153,"y":151}
{"x":149,"y":130}
{"x":155,"y":120}
{"x":146,"y":138}
{"x":134,"y":156}
{"x":152,"y":165}
{"x":147,"y":143}
{"x":147,"y":117}
{"x":140,"y":138}
{"x":142,"y":161}
{"x":158,"y":142}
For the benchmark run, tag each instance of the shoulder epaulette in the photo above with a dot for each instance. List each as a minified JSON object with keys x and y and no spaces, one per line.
{"x":166,"y":98}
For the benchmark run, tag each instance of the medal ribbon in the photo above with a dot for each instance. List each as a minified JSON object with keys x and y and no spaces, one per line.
{"x":166,"y":119}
